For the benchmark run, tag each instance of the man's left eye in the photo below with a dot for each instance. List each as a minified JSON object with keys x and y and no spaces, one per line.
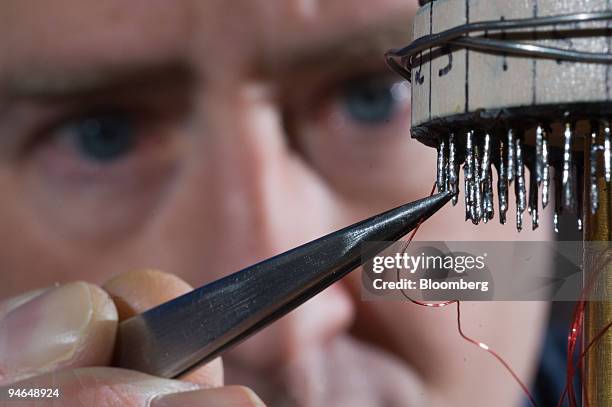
{"x":372,"y":100}
{"x":102,"y":138}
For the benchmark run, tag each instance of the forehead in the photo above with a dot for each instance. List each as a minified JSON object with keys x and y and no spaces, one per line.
{"x":77,"y":31}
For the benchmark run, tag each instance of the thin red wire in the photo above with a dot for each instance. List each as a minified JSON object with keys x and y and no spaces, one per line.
{"x":480,"y":345}
{"x":572,"y":341}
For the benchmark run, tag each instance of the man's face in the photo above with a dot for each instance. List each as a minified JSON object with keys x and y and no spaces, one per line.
{"x":200,"y":137}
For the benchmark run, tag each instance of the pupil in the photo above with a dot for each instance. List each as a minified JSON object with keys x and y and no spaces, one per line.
{"x":105,"y":138}
{"x":369,"y":101}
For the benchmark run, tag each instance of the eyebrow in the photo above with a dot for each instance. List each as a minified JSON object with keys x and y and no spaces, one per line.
{"x":85,"y":80}
{"x":346,"y":48}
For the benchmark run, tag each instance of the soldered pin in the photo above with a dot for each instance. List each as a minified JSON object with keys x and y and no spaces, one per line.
{"x":468,"y":175}
{"x":533,"y":199}
{"x":510,"y":158}
{"x":545,"y":170}
{"x":453,"y":168}
{"x":441,"y":166}
{"x":502,"y":182}
{"x":519,"y":185}
{"x":568,"y":176}
{"x":476,"y":186}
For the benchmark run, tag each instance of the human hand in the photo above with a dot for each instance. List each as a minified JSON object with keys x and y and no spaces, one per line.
{"x":63,"y":338}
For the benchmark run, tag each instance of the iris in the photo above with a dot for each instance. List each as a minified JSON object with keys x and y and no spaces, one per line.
{"x":104,"y":138}
{"x":370,"y":100}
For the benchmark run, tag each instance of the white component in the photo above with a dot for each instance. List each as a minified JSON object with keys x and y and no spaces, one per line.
{"x":468,"y":80}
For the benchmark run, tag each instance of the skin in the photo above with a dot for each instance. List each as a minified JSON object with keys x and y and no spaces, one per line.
{"x":248,"y":152}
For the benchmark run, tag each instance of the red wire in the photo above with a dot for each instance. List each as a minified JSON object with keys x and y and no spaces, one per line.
{"x":572,"y":341}
{"x":480,"y":345}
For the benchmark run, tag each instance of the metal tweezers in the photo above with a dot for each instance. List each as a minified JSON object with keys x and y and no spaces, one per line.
{"x":180,"y":335}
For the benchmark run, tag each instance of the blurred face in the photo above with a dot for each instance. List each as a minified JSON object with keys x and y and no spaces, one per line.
{"x":200,"y":137}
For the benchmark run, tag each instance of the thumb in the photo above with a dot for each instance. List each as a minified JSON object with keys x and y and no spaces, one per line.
{"x":71,"y":325}
{"x":107,"y":386}
{"x":138,"y":291}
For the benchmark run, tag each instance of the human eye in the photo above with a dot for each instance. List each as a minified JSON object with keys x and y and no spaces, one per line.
{"x":97,"y":172}
{"x":355,"y":130}
{"x":99,"y":145}
{"x":373,"y":100}
{"x":91,"y":146}
{"x":100,"y":138}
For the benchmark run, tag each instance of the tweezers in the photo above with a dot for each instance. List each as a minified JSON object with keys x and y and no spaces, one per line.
{"x":180,"y":335}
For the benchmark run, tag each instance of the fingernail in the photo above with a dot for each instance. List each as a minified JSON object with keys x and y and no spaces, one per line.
{"x":46,"y":331}
{"x":228,"y":396}
{"x":8,"y":305}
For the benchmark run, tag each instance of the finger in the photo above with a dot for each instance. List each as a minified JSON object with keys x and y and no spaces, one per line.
{"x":10,"y":304}
{"x":109,"y":387}
{"x":228,"y":396}
{"x":100,"y":386}
{"x":138,"y":291}
{"x":67,"y":326}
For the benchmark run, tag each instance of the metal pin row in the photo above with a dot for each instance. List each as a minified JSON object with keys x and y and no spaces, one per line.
{"x":507,"y":153}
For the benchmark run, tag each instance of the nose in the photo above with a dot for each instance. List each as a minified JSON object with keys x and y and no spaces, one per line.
{"x":286,"y":204}
{"x":309,"y":328}
{"x":255,"y":197}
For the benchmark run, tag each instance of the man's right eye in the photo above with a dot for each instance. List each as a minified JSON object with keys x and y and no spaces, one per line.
{"x":101,"y":138}
{"x":115,"y":143}
{"x":97,"y":174}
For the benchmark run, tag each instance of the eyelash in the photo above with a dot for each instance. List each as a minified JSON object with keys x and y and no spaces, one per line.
{"x":50,"y":128}
{"x":55,"y":150}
